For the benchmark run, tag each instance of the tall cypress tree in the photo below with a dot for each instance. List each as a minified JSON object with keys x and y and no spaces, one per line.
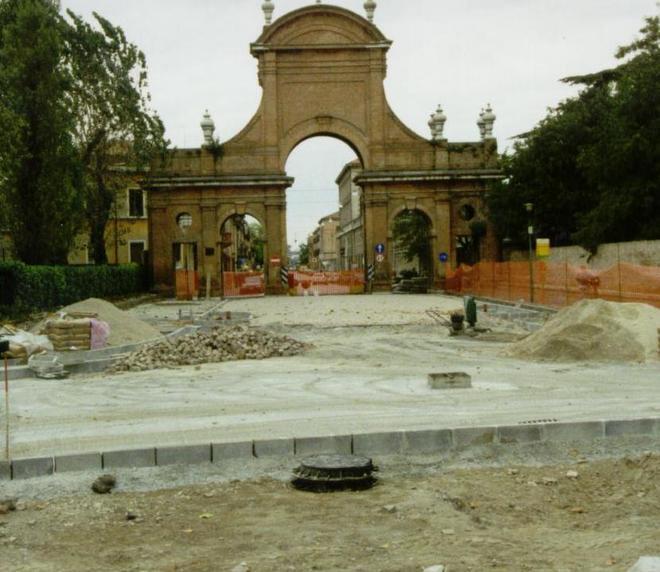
{"x":40,"y":173}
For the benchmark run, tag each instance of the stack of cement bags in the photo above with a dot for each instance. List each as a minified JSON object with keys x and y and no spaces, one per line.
{"x":70,"y":334}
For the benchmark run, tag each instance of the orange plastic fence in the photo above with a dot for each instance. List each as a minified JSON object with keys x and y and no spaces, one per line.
{"x":326,"y":283}
{"x":556,"y":283}
{"x":238,"y":284}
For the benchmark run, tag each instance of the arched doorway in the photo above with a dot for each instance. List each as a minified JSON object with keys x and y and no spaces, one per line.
{"x":412,"y":234}
{"x":324,"y":219}
{"x":242,"y":256}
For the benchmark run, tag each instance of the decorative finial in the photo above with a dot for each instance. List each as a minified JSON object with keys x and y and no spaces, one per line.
{"x":488,"y":118}
{"x":481,"y":124}
{"x":268,"y":7}
{"x":437,"y":124}
{"x":370,"y":7}
{"x":208,"y":127}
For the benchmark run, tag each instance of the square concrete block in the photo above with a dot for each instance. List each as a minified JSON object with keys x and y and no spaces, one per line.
{"x":274,"y":448}
{"x":578,"y":431}
{"x":473,"y":436}
{"x":337,"y":444}
{"x":451,"y":380}
{"x":183,"y":455}
{"x":5,"y":470}
{"x":369,"y":444}
{"x":431,"y":441}
{"x":618,"y":427}
{"x":519,"y":433}
{"x":132,"y":458}
{"x":29,"y":468}
{"x":242,"y":450}
{"x":81,"y":462}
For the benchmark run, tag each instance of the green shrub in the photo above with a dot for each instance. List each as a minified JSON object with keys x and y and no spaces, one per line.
{"x":26,"y":288}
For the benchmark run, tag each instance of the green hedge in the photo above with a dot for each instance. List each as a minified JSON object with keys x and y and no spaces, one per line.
{"x":26,"y":288}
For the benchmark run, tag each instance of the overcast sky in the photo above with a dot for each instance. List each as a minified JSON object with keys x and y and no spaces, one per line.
{"x":460,"y":53}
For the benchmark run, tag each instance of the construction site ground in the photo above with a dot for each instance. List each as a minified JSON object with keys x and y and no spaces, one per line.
{"x":366,"y":372}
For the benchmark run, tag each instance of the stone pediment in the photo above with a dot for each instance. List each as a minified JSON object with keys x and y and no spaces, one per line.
{"x":320,"y":25}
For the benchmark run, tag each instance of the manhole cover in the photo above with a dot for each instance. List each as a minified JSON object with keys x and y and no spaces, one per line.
{"x":322,"y":473}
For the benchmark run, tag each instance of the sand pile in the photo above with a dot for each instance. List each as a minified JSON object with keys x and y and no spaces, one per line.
{"x":124,"y":327}
{"x":222,"y":344}
{"x":595,"y":330}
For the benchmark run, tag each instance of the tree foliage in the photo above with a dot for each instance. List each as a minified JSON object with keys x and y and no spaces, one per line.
{"x":412,"y":234}
{"x":592,"y":166}
{"x":40,"y":176}
{"x":303,"y":254}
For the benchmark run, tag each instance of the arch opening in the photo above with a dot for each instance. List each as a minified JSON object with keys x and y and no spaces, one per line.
{"x":412,"y":232}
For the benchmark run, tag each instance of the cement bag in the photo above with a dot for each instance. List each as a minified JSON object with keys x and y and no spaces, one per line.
{"x":99,"y":334}
{"x":47,"y":366}
{"x":31,"y":343}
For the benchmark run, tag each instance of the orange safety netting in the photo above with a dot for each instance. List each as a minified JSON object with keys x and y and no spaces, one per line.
{"x":557,"y":283}
{"x":326,"y":283}
{"x":244,"y":284}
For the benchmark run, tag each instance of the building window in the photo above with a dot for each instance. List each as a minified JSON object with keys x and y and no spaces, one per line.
{"x":136,"y":251}
{"x":136,"y":203}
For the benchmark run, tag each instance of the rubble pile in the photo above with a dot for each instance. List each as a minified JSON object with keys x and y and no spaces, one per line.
{"x":221,"y":344}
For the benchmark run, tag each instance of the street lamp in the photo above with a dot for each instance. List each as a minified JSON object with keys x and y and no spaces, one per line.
{"x":529,"y":207}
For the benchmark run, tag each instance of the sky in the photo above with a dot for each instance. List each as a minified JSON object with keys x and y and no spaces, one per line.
{"x":460,"y":53}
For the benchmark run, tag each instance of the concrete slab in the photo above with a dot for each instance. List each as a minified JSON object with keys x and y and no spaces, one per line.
{"x":5,"y":470}
{"x":647,"y":564}
{"x":132,"y":458}
{"x":339,"y":444}
{"x":473,"y":436}
{"x":274,"y":448}
{"x":369,"y":444}
{"x":241,"y":450}
{"x":518,"y":433}
{"x":430,"y":441}
{"x":81,"y":462}
{"x":184,"y":455}
{"x":578,"y":431}
{"x":30,"y":468}
{"x":618,"y":427}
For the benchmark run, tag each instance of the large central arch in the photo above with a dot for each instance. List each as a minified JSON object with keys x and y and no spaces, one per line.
{"x":322,"y":70}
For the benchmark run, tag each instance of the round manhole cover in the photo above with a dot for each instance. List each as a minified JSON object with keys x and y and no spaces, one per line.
{"x":334,"y":472}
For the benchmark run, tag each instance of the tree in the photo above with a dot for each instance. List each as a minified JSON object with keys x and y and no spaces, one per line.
{"x":412,"y":233}
{"x":116,"y":131}
{"x":257,"y":241}
{"x":303,"y":254}
{"x":592,"y":166}
{"x":40,"y":176}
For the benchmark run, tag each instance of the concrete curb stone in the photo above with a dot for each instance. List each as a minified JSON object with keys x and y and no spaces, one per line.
{"x":132,"y":458}
{"x":428,"y":441}
{"x":518,"y":433}
{"x":378,"y":443}
{"x":336,"y":444}
{"x":184,"y":455}
{"x":223,"y":451}
{"x":29,"y":468}
{"x":578,"y":431}
{"x":5,"y":470}
{"x":617,"y":427}
{"x":81,"y":462}
{"x":473,"y":436}
{"x":275,"y":448}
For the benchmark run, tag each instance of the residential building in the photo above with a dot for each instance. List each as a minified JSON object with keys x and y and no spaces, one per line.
{"x":350,"y":234}
{"x":323,"y":249}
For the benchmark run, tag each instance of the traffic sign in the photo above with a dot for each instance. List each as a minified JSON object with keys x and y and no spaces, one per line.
{"x":443,"y":257}
{"x":380,"y":258}
{"x":380,"y":248}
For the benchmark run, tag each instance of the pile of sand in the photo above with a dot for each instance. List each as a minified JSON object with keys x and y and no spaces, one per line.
{"x":595,"y":330}
{"x":124,"y":327}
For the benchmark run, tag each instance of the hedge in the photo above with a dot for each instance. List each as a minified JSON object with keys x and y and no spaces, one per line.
{"x":26,"y":288}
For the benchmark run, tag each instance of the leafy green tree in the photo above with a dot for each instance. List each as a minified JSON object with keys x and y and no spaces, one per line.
{"x":257,"y":241}
{"x":412,"y":233}
{"x":40,"y":176}
{"x":116,"y":130}
{"x":303,"y":254}
{"x":592,"y":166}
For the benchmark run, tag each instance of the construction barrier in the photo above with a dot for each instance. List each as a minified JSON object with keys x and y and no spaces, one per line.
{"x":556,"y":283}
{"x":237,"y":284}
{"x":302,"y":283}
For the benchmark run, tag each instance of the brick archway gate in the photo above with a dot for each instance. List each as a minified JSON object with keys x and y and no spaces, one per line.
{"x":322,"y":70}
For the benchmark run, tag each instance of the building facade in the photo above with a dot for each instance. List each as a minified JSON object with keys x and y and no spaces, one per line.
{"x":350,"y":234}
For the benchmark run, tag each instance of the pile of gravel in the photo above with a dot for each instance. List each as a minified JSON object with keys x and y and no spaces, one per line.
{"x":222,"y":344}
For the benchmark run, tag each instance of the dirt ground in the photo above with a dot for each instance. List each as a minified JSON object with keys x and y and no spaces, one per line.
{"x":510,"y":517}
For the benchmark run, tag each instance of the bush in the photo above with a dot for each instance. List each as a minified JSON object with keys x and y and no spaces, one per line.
{"x":26,"y":288}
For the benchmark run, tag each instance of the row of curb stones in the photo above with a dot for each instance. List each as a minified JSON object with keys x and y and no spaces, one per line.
{"x":369,"y":444}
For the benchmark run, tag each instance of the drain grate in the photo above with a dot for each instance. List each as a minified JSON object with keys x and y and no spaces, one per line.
{"x":537,"y":421}
{"x":324,"y":473}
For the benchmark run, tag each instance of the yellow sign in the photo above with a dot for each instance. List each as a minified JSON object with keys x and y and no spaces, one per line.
{"x":542,"y":247}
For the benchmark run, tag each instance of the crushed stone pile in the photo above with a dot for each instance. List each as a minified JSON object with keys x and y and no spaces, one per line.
{"x":595,"y":330}
{"x":124,"y":327}
{"x":221,"y":344}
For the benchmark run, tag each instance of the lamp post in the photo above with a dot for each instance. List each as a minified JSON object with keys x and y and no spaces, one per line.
{"x":529,"y":207}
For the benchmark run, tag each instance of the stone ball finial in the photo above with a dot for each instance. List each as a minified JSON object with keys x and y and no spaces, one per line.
{"x":437,"y":124}
{"x":208,"y":128}
{"x":481,"y":124}
{"x":268,"y":7}
{"x":488,"y":118}
{"x":370,"y":7}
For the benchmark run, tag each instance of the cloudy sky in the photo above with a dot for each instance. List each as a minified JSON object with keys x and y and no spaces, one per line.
{"x":460,"y":53}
